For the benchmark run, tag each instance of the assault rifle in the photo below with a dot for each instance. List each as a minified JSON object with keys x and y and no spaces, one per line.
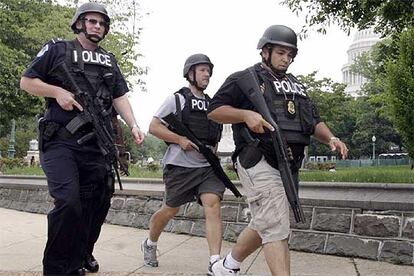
{"x":251,"y":89}
{"x":181,"y":129}
{"x":94,"y":112}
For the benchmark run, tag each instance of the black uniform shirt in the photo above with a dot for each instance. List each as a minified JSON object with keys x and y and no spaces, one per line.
{"x":231,"y":94}
{"x":52,"y":54}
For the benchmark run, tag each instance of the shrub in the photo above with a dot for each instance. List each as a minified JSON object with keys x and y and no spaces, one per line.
{"x":229,"y":167}
{"x":325,"y":166}
{"x":153,"y":167}
{"x":9,"y":163}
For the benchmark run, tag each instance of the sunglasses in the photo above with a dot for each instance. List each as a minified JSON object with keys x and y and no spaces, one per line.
{"x":95,"y":21}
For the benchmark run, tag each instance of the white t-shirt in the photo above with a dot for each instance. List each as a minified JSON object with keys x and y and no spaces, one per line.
{"x":174,"y":155}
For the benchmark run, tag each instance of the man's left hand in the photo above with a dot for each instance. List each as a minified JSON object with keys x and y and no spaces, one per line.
{"x":138,"y":135}
{"x":337,"y":145}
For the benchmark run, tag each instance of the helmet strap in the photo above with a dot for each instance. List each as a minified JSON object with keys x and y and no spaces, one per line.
{"x":90,"y":36}
{"x":194,"y":82}
{"x":268,"y":62}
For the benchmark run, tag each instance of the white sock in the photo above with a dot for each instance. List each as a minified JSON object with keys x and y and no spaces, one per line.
{"x":151,"y":243}
{"x":231,"y":263}
{"x":214,"y":258}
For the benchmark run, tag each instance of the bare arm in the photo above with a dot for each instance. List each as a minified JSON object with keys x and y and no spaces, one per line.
{"x":37,"y":87}
{"x":158,"y":129}
{"x":227,"y":114}
{"x":123,"y":107}
{"x":324,"y":135}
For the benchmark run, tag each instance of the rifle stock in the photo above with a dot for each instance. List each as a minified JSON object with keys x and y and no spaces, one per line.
{"x":94,"y":115}
{"x":181,"y":129}
{"x":255,"y":96}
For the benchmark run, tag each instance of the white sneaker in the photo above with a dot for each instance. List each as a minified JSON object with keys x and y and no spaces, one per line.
{"x":150,"y":254}
{"x":219,"y":269}
{"x":210,"y":265}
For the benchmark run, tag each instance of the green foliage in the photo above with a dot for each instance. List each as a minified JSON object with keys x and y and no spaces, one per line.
{"x":153,"y":167}
{"x":25,"y":25}
{"x":385,"y":174}
{"x":400,"y":89}
{"x":11,"y":163}
{"x":26,"y":130}
{"x":334,"y":106}
{"x":388,"y":16}
{"x":151,"y":147}
{"x":317,"y":166}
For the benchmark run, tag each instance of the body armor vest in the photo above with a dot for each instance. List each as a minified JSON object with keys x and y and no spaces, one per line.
{"x":99,"y":68}
{"x":194,"y":117}
{"x":290,"y":107}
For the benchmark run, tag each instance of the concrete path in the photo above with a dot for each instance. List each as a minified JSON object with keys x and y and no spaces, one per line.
{"x":23,"y":236}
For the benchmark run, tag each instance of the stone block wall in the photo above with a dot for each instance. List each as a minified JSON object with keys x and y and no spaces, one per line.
{"x":377,"y":235}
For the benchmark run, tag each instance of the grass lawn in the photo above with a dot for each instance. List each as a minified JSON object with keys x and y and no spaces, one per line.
{"x":375,"y":174}
{"x":383,"y":174}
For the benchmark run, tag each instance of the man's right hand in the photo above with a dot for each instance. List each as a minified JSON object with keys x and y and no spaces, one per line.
{"x":255,"y":121}
{"x":186,"y":144}
{"x":66,"y":100}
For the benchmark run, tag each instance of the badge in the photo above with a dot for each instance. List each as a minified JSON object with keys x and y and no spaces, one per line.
{"x":291,"y":109}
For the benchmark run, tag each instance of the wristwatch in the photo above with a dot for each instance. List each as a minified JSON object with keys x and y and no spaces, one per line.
{"x":332,"y":139}
{"x":134,"y":125}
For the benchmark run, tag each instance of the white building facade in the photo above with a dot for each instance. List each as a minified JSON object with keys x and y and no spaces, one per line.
{"x":363,"y":41}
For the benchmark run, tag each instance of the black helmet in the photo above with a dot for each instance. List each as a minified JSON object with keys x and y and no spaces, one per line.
{"x":194,"y":60}
{"x":280,"y":35}
{"x":89,"y":7}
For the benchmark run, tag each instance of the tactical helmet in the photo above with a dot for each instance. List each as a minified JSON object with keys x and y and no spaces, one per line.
{"x":279,"y":35}
{"x":194,"y":60}
{"x":89,"y":7}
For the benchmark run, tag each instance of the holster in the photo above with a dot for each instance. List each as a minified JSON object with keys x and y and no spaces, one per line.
{"x":110,"y":184}
{"x":250,"y":154}
{"x":47,"y":130}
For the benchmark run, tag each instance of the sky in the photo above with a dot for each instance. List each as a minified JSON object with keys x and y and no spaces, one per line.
{"x":227,"y":31}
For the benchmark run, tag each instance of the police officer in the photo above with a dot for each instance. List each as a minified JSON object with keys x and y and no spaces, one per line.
{"x":298,"y":118}
{"x":79,"y":177}
{"x":187,"y":174}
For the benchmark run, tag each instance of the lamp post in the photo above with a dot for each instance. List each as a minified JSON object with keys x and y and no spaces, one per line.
{"x":11,"y":150}
{"x":373,"y":146}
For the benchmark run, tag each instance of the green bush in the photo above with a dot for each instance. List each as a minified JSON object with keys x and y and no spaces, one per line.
{"x":229,"y":167}
{"x":153,"y":167}
{"x":325,"y":166}
{"x":10,"y":163}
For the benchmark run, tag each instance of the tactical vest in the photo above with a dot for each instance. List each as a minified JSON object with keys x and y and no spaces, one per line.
{"x":290,"y":107}
{"x":99,"y":68}
{"x":194,"y":117}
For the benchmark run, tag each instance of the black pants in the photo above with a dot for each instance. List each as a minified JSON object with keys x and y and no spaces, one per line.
{"x":76,"y":180}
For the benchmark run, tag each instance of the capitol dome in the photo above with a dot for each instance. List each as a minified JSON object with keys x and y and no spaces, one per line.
{"x":363,"y":41}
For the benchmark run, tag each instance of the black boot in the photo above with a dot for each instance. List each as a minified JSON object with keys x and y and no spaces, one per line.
{"x":91,"y":264}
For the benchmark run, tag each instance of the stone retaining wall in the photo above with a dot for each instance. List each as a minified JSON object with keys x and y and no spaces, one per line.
{"x":353,"y":232}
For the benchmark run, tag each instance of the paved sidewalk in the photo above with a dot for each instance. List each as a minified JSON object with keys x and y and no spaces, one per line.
{"x":23,"y":236}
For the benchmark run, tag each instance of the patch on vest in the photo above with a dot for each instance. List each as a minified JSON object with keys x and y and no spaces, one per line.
{"x":43,"y":50}
{"x":285,"y":86}
{"x":90,"y":57}
{"x":198,"y":105}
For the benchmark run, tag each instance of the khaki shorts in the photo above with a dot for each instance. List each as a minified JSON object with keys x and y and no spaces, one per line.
{"x":267,"y":201}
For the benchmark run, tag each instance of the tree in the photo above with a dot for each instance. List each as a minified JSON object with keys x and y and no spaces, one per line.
{"x":376,"y":118}
{"x":25,"y":25}
{"x":151,"y":147}
{"x":387,"y":16}
{"x":399,"y":86}
{"x":335,"y":108}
